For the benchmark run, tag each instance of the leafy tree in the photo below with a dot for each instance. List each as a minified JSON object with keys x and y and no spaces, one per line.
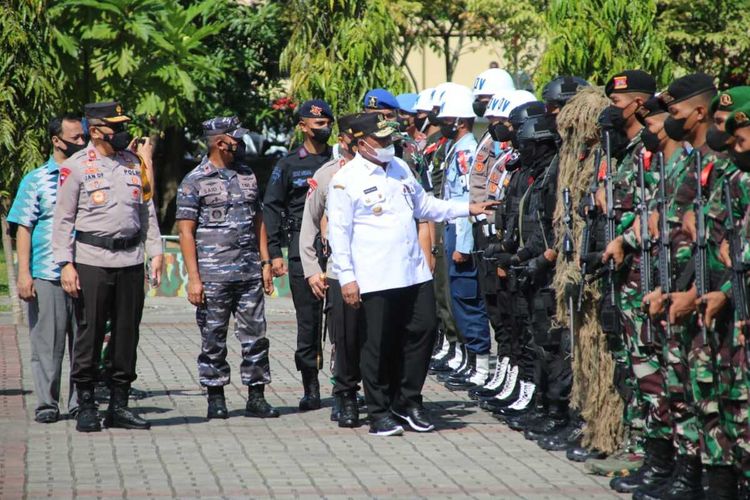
{"x":708,"y":35}
{"x":595,"y":38}
{"x":339,"y":49}
{"x":28,"y":90}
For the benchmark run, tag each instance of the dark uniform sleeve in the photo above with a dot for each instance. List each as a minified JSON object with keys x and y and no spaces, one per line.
{"x":188,"y":200}
{"x":273,"y":205}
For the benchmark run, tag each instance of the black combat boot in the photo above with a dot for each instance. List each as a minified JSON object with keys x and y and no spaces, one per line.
{"x":461,"y":355}
{"x":349,"y":416}
{"x":217,"y":405}
{"x":567,"y":438}
{"x":555,"y":420}
{"x":684,"y":484}
{"x":118,"y":414}
{"x":311,"y":399}
{"x":658,"y":464}
{"x":458,"y":378}
{"x":439,"y":363}
{"x":336,"y":408}
{"x":722,"y":482}
{"x":257,"y":406}
{"x":88,"y":416}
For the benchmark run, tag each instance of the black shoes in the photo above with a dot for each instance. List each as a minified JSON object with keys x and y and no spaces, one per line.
{"x":119,"y":415}
{"x":684,"y":484}
{"x":311,"y":399}
{"x":257,"y":406}
{"x":569,"y":437}
{"x":581,"y":454}
{"x":217,"y":405}
{"x":88,"y":415}
{"x":658,"y":464}
{"x":336,"y":408}
{"x":47,"y":416}
{"x":416,"y":418}
{"x":349,"y":414}
{"x":555,"y":420}
{"x":385,"y":426}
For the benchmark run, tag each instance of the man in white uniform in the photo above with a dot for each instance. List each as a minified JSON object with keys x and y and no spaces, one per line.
{"x":372,"y":207}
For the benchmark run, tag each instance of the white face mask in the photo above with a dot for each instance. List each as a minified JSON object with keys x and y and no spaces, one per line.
{"x":381,"y":155}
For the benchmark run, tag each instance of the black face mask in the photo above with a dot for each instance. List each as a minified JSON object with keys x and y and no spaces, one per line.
{"x":716,"y":139}
{"x":321,"y":135}
{"x":420,"y":123}
{"x":241,"y":152}
{"x":527,"y":150}
{"x":479,"y":107}
{"x":71,"y":148}
{"x":449,"y":130}
{"x":617,"y":116}
{"x":119,"y":140}
{"x":433,"y":117}
{"x":742,"y":160}
{"x":675,"y":129}
{"x":650,"y":140}
{"x":500,"y":132}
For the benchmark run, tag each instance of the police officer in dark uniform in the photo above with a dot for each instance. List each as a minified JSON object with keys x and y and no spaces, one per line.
{"x":285,"y":197}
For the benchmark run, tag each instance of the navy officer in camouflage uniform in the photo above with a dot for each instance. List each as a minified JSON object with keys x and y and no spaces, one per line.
{"x":223,"y":240}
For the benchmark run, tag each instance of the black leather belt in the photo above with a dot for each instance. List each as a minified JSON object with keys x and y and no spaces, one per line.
{"x":109,"y":243}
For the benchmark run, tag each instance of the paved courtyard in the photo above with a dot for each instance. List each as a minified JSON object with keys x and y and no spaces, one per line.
{"x":298,"y":455}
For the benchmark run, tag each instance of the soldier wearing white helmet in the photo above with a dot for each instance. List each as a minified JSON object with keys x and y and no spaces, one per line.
{"x":457,"y":121}
{"x":489,"y":83}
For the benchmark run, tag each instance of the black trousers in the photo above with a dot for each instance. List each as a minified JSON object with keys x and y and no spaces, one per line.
{"x":399,"y":337}
{"x":309,"y":310}
{"x":344,"y":328}
{"x":114,"y":294}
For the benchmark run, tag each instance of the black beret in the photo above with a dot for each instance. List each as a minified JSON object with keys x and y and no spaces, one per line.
{"x":649,"y":108}
{"x":315,"y":108}
{"x":632,"y":80}
{"x":686,"y":87}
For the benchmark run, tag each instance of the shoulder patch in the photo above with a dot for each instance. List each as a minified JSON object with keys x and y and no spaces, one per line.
{"x":313,"y":185}
{"x":276,"y":175}
{"x":64,"y":173}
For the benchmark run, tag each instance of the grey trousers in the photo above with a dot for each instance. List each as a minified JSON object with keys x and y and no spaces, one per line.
{"x":52,"y":325}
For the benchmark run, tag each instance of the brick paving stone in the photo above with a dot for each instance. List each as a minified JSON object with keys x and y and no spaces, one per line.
{"x":295,"y":456}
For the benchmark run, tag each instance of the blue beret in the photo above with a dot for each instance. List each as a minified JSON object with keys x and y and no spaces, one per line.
{"x":380,"y":99}
{"x":406,"y":102}
{"x":315,"y":108}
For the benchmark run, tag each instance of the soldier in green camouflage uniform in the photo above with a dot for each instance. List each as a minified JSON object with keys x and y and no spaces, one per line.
{"x":628,"y":91}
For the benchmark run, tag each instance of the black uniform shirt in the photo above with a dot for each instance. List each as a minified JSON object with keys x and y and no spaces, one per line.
{"x":286,"y":192}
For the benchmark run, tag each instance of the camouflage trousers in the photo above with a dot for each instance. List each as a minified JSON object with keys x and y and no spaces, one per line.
{"x":646,"y":362}
{"x":721,"y":406}
{"x":243,"y":300}
{"x":679,"y":391}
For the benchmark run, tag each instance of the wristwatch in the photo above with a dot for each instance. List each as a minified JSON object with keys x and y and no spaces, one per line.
{"x":264,"y":263}
{"x":435,"y":250}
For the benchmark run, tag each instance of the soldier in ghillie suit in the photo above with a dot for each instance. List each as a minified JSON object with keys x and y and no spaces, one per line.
{"x":593,"y":394}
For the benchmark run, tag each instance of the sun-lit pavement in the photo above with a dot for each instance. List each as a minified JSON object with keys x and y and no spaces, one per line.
{"x":297,"y":455}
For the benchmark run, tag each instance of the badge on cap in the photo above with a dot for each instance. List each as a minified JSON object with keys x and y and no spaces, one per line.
{"x":316,"y":110}
{"x":621,"y":82}
{"x":118,"y":109}
{"x":740,"y":118}
{"x":666,"y":97}
{"x":372,"y":102}
{"x":725,"y":100}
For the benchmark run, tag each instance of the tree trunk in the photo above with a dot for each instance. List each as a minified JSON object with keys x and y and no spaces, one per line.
{"x":447,"y":56}
{"x":15,"y":302}
{"x":169,"y":169}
